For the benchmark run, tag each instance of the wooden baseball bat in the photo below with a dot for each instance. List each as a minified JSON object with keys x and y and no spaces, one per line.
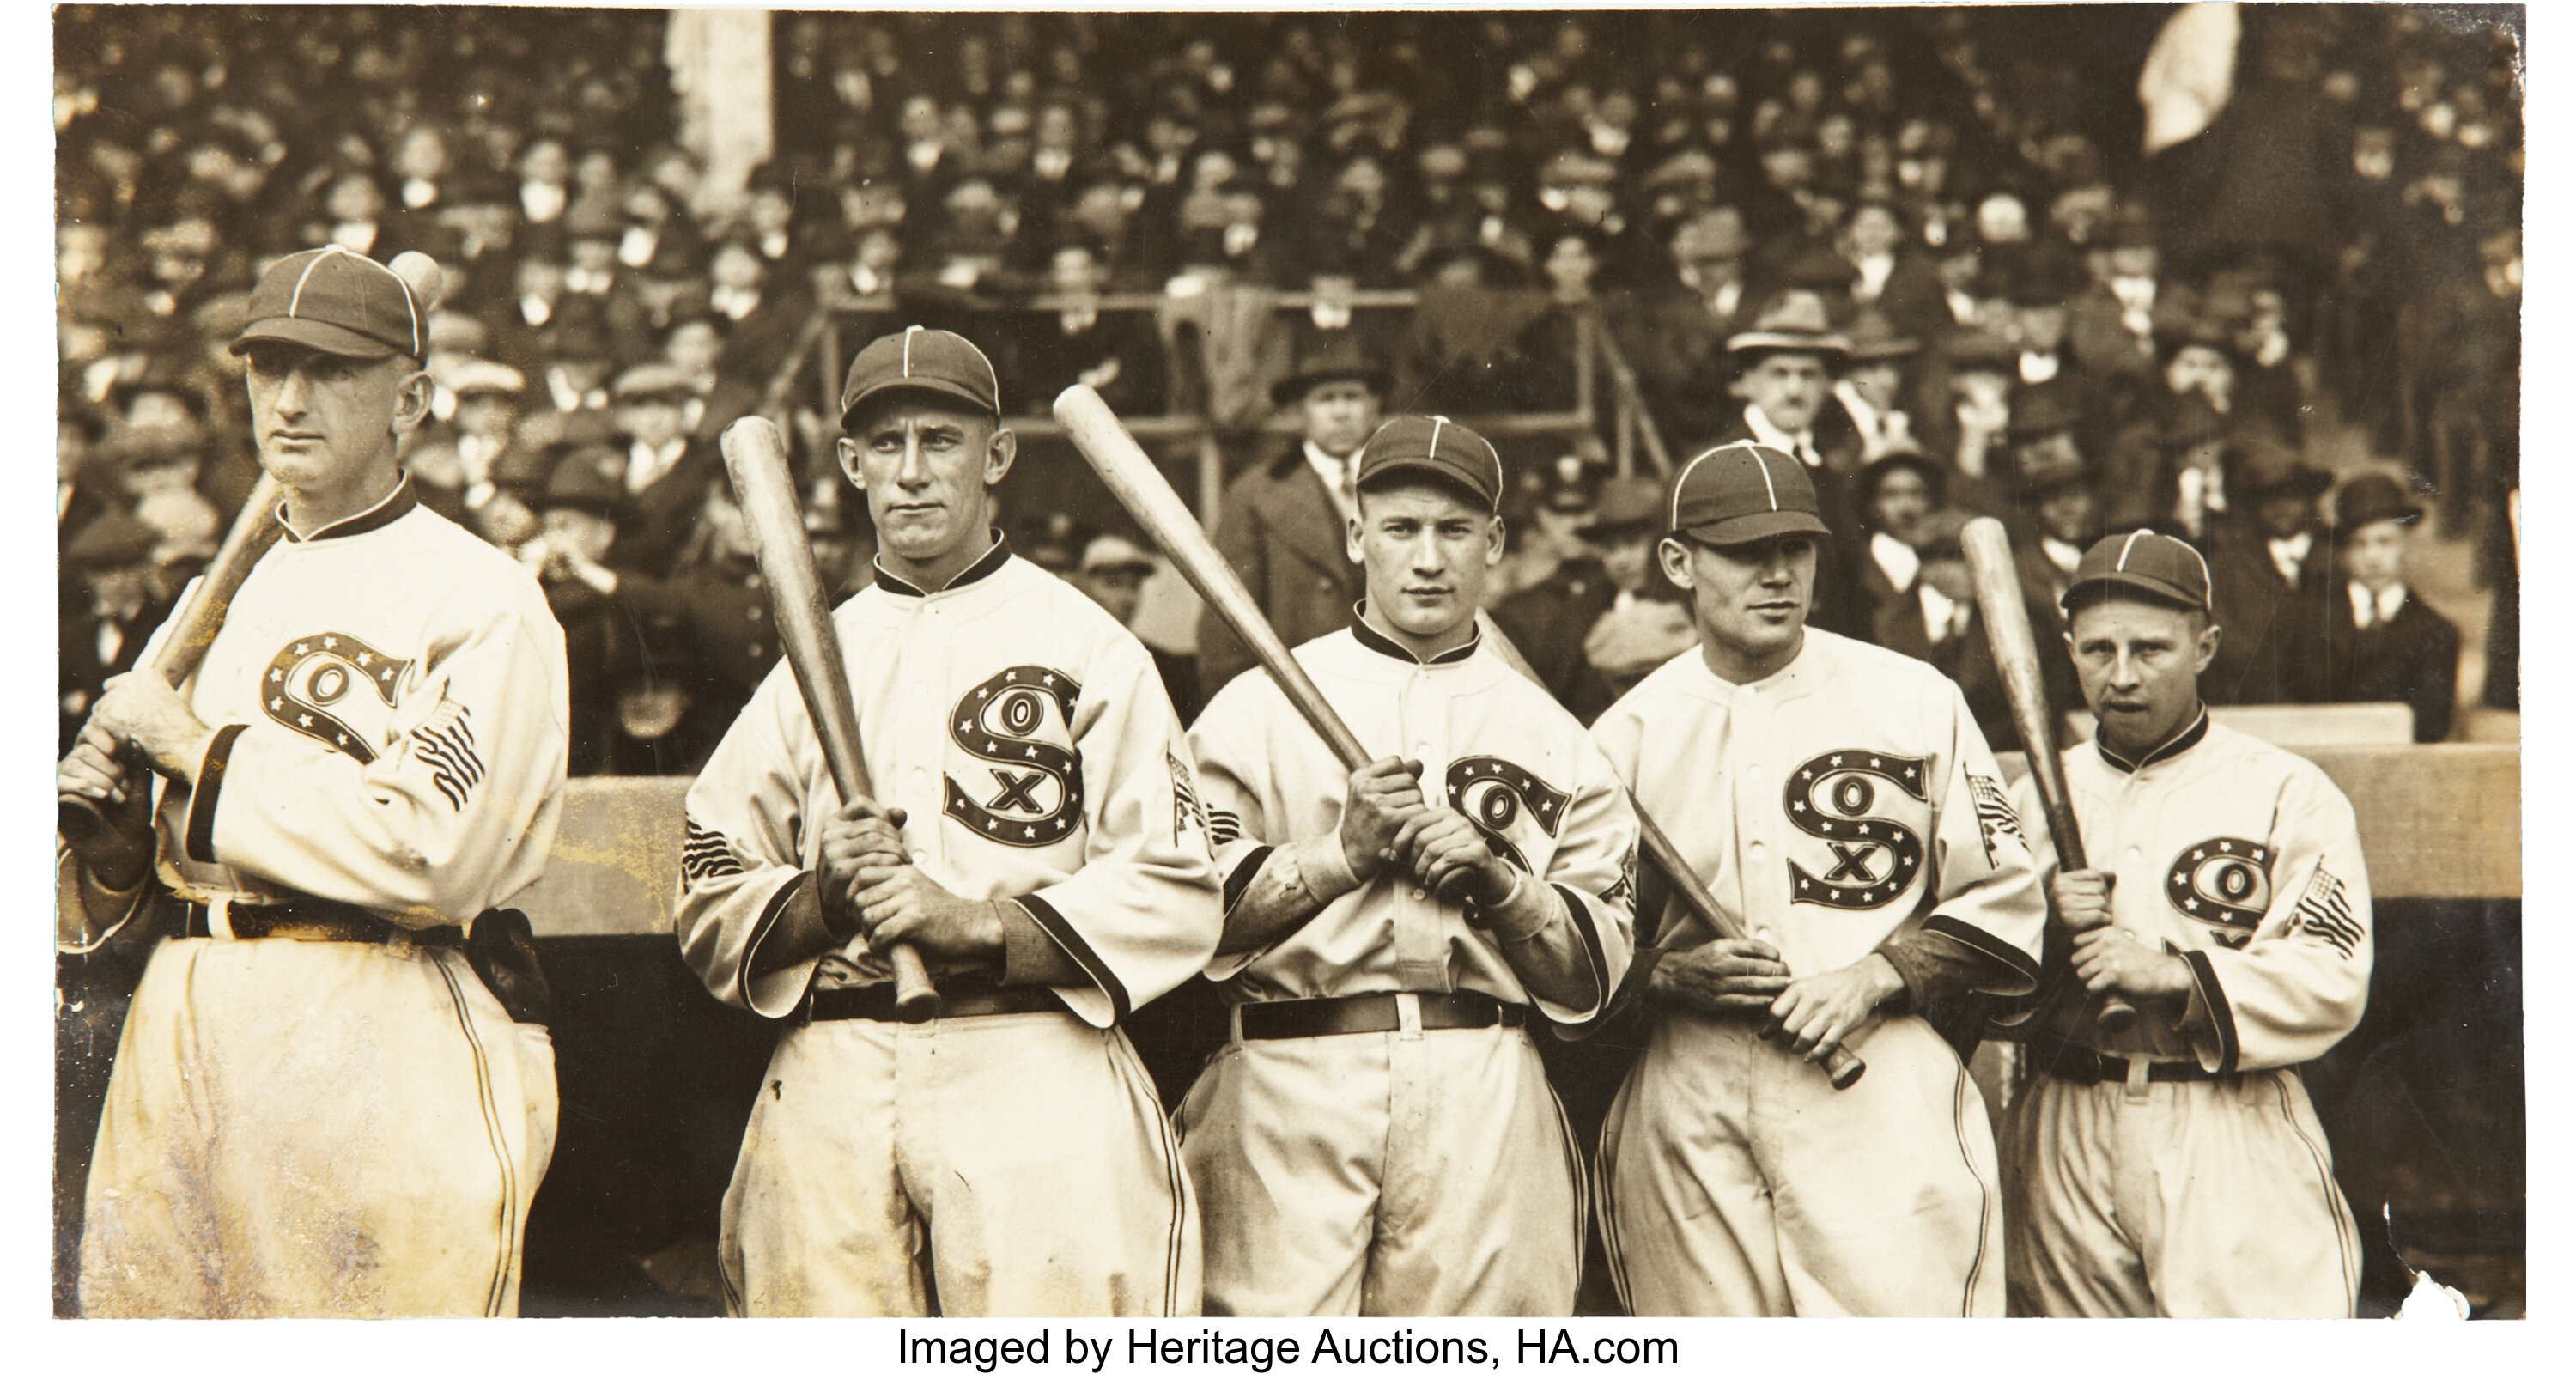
{"x":1139,"y":486}
{"x":2007,"y":617}
{"x":756,"y":459}
{"x":1842,"y":1067}
{"x":193,"y":627}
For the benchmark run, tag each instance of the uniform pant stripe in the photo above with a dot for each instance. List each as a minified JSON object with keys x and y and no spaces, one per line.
{"x":1604,"y":1207}
{"x":2325,"y":1181}
{"x":1959,"y":1091}
{"x":509,"y":1219}
{"x":1173,"y":1183}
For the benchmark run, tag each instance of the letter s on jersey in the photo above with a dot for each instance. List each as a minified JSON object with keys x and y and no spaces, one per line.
{"x":1838,"y":797}
{"x":1009,"y":724}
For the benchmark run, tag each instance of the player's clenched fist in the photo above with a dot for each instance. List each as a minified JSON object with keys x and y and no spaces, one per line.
{"x":2081,"y":898}
{"x":2110,"y":960}
{"x":1722,"y":976}
{"x":143,"y":709}
{"x":1382,"y":797}
{"x":903,"y":905}
{"x":117,"y":852}
{"x":861,"y":835}
{"x":1437,"y":841}
{"x":1817,"y":1011}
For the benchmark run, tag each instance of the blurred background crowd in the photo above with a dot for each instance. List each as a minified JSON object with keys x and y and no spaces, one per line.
{"x":1929,"y":250}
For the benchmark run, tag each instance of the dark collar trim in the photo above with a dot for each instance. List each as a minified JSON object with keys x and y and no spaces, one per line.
{"x":2194,"y":734}
{"x":1372,"y":640}
{"x":976,"y":571}
{"x":401,"y":502}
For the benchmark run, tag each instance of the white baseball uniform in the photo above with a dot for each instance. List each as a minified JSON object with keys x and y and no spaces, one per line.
{"x":1842,"y":806}
{"x":2213,"y":1196}
{"x":1028,"y":739}
{"x":308,"y":1128}
{"x":1409,"y":1172}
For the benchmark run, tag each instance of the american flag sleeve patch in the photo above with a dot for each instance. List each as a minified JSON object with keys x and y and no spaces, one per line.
{"x":2325,"y":915}
{"x":707,"y":856}
{"x":1995,"y":814}
{"x":445,"y":742}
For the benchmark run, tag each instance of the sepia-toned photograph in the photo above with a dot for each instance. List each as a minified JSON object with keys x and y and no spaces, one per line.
{"x":1509,"y":663}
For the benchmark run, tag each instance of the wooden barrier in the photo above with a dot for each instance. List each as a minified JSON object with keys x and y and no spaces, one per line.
{"x":2437,"y":820}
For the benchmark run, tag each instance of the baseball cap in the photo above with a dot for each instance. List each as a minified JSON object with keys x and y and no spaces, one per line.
{"x":2160,"y":565}
{"x":1738,"y":493}
{"x":1108,"y":551}
{"x":1437,"y":445}
{"x":921,"y":359}
{"x":334,"y":301}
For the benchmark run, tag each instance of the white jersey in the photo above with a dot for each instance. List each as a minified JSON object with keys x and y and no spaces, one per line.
{"x":2243,"y":857}
{"x":1493,"y":746}
{"x":388,"y":696}
{"x":1028,"y":738}
{"x":1831,"y":803}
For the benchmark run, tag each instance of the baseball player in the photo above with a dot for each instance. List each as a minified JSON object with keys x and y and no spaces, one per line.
{"x":318,"y":1108}
{"x":1840,"y":797}
{"x":2176,"y":1169}
{"x":1036,"y":838}
{"x":1377,"y":1137}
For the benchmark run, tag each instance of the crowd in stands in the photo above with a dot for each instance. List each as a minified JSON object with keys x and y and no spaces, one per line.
{"x":1916,"y":247}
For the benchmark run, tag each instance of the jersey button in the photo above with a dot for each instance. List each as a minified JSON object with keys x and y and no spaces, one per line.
{"x":1417,"y":894}
{"x":921,"y":856}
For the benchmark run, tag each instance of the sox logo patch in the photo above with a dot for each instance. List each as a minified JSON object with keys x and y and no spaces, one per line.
{"x":2225,"y":884}
{"x":1009,"y":723}
{"x":1837,"y":797}
{"x":1494,"y":794}
{"x":335,"y":688}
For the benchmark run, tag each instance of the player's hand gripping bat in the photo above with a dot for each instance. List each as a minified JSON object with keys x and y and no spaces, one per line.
{"x":756,"y":459}
{"x":1141,"y":488}
{"x":255,"y":530}
{"x":1999,"y":604}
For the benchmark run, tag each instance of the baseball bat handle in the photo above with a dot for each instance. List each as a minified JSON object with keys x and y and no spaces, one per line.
{"x":756,"y":459}
{"x":254,"y":531}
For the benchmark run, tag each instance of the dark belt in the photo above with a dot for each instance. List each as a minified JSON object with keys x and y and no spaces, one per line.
{"x":315,"y":919}
{"x":875,"y":1002}
{"x":1373,"y":1012}
{"x":2076,"y":1064}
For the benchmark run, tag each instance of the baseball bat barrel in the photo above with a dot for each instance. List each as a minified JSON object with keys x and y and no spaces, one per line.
{"x":1842,"y":1067}
{"x":192,"y":630}
{"x":2016,"y":648}
{"x":756,"y":459}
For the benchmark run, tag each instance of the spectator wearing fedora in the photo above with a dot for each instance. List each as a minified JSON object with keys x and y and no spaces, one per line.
{"x":1875,"y":394}
{"x":1783,"y":370}
{"x":2111,"y":323}
{"x":105,"y":623}
{"x":667,"y":469}
{"x":1600,"y":622}
{"x":2382,"y":642}
{"x":2059,"y":515}
{"x":452,"y":469}
{"x":2272,"y":578}
{"x":1284,"y":527}
{"x":584,"y":503}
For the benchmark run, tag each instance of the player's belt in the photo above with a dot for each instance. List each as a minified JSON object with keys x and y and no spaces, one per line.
{"x":315,"y":919}
{"x":1372,"y":1013}
{"x":2076,"y":1064}
{"x":875,"y":1002}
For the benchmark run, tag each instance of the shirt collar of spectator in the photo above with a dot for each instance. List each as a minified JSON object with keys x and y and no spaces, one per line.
{"x":2194,"y":734}
{"x":976,"y":571}
{"x":1371,"y":640}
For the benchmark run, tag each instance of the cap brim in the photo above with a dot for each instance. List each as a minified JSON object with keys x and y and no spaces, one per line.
{"x":935,"y":386}
{"x":312,"y":334}
{"x":1442,"y":473}
{"x":1288,"y":391}
{"x":2154,"y":588}
{"x":1765,"y":341}
{"x":1747,"y":529}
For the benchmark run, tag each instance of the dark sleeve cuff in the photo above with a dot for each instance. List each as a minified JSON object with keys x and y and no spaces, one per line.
{"x":1092,"y":967}
{"x":2213,"y":998}
{"x":1030,"y":956}
{"x":1968,"y":959}
{"x":209,"y":788}
{"x":790,"y":931}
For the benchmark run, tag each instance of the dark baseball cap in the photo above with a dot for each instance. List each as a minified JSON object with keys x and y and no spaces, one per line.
{"x":2163,"y":567}
{"x":1740,"y":493}
{"x":334,"y":301}
{"x":1437,"y":445}
{"x":920,"y":359}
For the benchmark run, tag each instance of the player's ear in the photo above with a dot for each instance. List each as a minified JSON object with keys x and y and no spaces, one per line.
{"x":2205,"y":648}
{"x":1494,"y":542}
{"x":412,"y":397}
{"x":999,"y":454}
{"x":847,"y":449}
{"x":1351,"y":539}
{"x":1675,"y":558}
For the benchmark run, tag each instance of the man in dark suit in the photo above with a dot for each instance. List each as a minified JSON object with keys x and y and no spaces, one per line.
{"x":2061,"y":517}
{"x":667,"y":470}
{"x":1783,"y":371}
{"x":1675,"y":330}
{"x":1284,"y":525}
{"x":104,"y":628}
{"x":1116,"y":353}
{"x":2272,"y":578}
{"x":2383,"y":643}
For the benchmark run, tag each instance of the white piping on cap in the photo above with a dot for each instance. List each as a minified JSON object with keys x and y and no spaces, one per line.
{"x":1683,"y":481}
{"x":1773,"y":492}
{"x":295,"y":300}
{"x":908,"y":331}
{"x":1437,"y":423}
{"x":2121,"y":564}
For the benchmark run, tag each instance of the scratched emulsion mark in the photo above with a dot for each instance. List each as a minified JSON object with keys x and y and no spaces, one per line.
{"x":628,"y":832}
